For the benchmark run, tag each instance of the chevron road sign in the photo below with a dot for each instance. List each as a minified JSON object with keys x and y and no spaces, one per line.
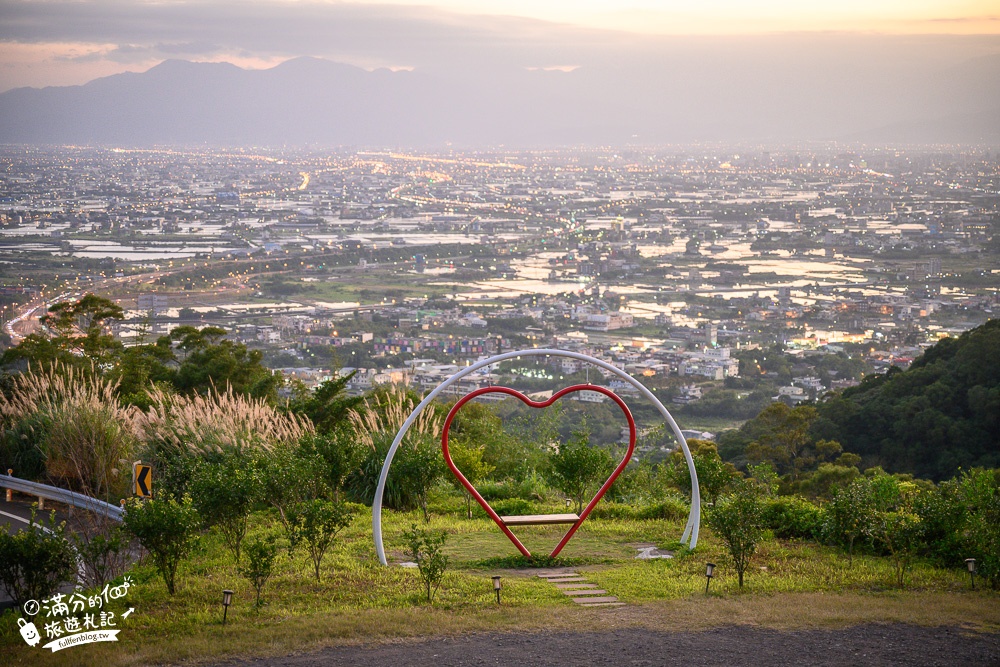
{"x":143,"y":477}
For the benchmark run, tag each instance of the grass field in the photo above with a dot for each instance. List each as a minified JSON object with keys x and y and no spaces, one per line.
{"x":790,"y":584}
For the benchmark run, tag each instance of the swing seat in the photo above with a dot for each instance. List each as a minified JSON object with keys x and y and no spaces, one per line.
{"x":539,"y":519}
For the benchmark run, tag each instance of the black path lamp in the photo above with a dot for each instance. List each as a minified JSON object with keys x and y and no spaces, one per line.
{"x":568,"y":503}
{"x":971,"y":564}
{"x":497,"y":586}
{"x":709,"y":571}
{"x":227,"y":599}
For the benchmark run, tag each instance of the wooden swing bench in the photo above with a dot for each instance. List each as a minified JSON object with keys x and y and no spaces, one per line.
{"x":539,"y":519}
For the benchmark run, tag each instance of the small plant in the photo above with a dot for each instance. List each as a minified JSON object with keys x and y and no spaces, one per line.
{"x":258,"y":563}
{"x":35,"y":560}
{"x":424,"y":547}
{"x":738,"y":520}
{"x":317,"y":523}
{"x":166,"y":528}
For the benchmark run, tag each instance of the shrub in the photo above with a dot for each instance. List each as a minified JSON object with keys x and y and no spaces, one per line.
{"x":793,"y":517}
{"x":35,"y":560}
{"x":166,"y":528}
{"x":738,"y":521}
{"x":980,"y":493}
{"x":225,"y":491}
{"x":577,"y":469}
{"x":316,"y":523}
{"x":851,"y":514}
{"x":424,"y":547}
{"x":670,"y":509}
{"x":258,"y":564}
{"x":375,"y":424}
{"x":507,"y":507}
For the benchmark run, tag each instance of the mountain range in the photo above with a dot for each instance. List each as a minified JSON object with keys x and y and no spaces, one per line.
{"x":668,"y":98}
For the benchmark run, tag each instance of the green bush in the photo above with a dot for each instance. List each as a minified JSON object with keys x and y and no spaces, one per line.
{"x":316,"y":523}
{"x":35,"y":560}
{"x":424,"y":547}
{"x":225,"y":491}
{"x":793,"y":517}
{"x":738,"y":521}
{"x":166,"y":528}
{"x":532,"y":487}
{"x":507,"y":507}
{"x":258,"y":564}
{"x":670,"y":509}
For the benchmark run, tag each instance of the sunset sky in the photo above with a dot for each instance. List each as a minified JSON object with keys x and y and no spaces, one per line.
{"x":61,"y":42}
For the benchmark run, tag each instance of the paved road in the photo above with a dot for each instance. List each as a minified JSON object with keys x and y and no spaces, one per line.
{"x":14,"y":517}
{"x":722,"y":647}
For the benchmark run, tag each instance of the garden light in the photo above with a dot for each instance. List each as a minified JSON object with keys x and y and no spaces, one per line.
{"x":971,"y":564}
{"x":227,"y":599}
{"x":497,"y":586}
{"x":568,"y":503}
{"x":709,"y":570}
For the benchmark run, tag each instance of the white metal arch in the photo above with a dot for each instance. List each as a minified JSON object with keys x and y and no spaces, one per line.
{"x":690,"y":534}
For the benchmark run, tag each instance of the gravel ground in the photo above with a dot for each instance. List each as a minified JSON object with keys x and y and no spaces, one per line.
{"x":726,"y":647}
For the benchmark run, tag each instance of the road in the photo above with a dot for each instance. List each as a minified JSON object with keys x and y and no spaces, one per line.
{"x":723,"y":647}
{"x":15,"y":517}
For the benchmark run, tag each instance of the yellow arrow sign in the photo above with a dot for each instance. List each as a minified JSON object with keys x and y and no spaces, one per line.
{"x":143,"y":476}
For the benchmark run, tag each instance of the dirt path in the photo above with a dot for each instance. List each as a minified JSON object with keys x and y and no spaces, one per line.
{"x":725,"y":647}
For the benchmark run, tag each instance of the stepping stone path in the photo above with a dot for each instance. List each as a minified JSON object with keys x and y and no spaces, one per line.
{"x":576,"y":587}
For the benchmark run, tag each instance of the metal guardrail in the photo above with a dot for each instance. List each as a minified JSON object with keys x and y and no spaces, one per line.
{"x":64,"y":496}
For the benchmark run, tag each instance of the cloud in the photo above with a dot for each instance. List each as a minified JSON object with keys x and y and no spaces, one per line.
{"x":403,"y":36}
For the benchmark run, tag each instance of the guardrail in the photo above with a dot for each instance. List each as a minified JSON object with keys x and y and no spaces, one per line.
{"x":64,"y":496}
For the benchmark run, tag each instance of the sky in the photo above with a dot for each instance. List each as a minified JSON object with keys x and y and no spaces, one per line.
{"x":68,"y":42}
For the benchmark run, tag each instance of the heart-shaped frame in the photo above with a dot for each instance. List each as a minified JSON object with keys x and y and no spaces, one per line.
{"x":538,"y":404}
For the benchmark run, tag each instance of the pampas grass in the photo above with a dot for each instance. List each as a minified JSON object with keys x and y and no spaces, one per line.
{"x":217,"y":421}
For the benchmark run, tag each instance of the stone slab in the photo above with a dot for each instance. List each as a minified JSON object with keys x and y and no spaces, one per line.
{"x":609,"y":598}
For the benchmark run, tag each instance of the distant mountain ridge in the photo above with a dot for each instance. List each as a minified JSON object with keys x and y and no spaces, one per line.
{"x":319,"y":102}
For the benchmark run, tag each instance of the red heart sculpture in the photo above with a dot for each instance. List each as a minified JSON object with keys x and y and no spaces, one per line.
{"x":536,"y":404}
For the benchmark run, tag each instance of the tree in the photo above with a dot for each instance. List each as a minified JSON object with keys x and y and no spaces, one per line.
{"x":225,"y":491}
{"x":211,"y":362}
{"x":327,"y":406}
{"x":782,"y":436}
{"x":419,"y":468}
{"x":339,"y":453}
{"x":258,"y":565}
{"x":576,"y":468}
{"x":851,"y":514}
{"x":469,"y":460}
{"x":738,"y":520}
{"x":714,"y":474}
{"x":979,"y":492}
{"x":316,"y":523}
{"x":35,"y":560}
{"x":424,"y":547}
{"x":900,"y":531}
{"x":76,"y":335}
{"x":81,"y":325}
{"x":166,"y":528}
